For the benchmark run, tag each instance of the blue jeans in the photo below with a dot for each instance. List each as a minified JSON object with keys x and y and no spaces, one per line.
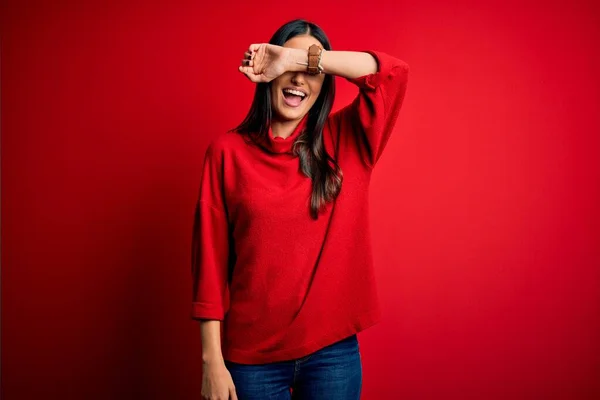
{"x":331,"y":373}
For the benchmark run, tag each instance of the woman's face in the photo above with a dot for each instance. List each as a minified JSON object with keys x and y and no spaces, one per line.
{"x":287,"y":106}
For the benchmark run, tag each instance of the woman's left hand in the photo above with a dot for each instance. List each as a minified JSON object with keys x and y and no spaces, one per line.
{"x":264,"y":62}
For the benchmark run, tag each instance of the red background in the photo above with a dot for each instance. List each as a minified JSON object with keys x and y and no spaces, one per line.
{"x":484,"y":205}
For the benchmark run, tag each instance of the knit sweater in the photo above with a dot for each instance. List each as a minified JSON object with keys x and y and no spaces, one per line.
{"x":286,"y":285}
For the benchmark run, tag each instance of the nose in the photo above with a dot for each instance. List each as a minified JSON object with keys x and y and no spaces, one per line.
{"x":298,"y":78}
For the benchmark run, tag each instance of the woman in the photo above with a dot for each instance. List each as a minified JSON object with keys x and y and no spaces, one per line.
{"x":281,"y":254}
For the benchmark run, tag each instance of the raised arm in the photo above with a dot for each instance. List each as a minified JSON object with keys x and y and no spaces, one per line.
{"x":382,"y":80}
{"x":347,"y":64}
{"x":380,"y":77}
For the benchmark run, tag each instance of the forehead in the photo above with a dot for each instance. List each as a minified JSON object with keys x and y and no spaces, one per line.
{"x":301,"y":42}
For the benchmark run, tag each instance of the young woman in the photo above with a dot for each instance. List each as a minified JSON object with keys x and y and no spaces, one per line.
{"x":281,"y":255}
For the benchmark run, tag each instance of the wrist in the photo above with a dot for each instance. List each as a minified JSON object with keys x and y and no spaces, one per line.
{"x":212,"y":358}
{"x":297,"y":58}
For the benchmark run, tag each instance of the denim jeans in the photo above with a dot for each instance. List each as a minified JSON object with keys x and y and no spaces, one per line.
{"x":331,"y":373}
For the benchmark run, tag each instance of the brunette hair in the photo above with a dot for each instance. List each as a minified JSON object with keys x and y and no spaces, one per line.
{"x":314,"y":159}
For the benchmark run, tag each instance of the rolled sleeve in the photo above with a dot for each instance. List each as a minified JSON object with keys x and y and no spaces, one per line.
{"x":210,"y":245}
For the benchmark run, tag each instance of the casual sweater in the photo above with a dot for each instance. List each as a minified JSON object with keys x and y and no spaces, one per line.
{"x":286,"y":285}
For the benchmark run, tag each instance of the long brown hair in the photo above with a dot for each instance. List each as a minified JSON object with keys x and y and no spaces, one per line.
{"x":315,"y":162}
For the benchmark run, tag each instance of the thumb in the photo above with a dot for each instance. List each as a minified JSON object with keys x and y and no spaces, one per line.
{"x":232,"y":394}
{"x":249,"y":72}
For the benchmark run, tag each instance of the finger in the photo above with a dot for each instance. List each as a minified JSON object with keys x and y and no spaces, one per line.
{"x":254,"y":47}
{"x":248,"y":54}
{"x":249,"y":63}
{"x":233,"y":394}
{"x":249,"y":73}
{"x":246,"y":69}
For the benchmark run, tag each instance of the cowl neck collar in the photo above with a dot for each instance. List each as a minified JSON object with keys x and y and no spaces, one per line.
{"x":281,"y":145}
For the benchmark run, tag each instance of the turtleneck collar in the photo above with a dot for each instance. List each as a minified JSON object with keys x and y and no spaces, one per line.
{"x":281,"y":145}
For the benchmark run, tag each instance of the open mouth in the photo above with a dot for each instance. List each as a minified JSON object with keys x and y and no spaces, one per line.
{"x":293,"y":98}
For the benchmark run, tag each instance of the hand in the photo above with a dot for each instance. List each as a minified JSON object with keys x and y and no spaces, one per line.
{"x":217,"y":383}
{"x":264,"y":62}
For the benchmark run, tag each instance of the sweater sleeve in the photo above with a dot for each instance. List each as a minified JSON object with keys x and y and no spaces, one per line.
{"x":210,"y":243}
{"x":373,"y":113}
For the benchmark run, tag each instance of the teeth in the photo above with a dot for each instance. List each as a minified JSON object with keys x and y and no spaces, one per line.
{"x":296,"y":92}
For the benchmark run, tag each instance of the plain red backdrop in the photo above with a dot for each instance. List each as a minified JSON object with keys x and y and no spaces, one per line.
{"x":484,"y":205}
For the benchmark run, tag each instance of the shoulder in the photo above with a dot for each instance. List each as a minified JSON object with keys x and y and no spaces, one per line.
{"x":223,"y":143}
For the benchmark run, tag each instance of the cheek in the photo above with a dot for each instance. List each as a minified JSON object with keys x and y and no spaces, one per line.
{"x":273,"y":93}
{"x":275,"y":88}
{"x":315,"y":91}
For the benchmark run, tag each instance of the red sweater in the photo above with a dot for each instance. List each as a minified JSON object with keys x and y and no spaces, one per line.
{"x":283,"y":284}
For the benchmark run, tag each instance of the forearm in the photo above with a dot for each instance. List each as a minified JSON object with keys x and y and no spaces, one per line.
{"x":347,"y":64}
{"x":210,"y":332}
